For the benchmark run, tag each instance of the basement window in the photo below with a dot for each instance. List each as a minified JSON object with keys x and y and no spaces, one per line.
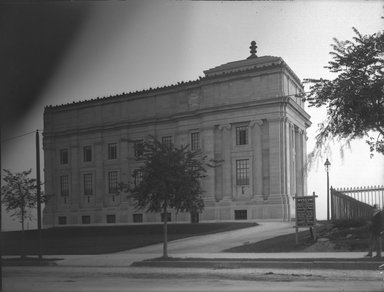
{"x":111,"y":218}
{"x":86,"y":219}
{"x":62,"y":220}
{"x":137,"y":218}
{"x":241,"y":215}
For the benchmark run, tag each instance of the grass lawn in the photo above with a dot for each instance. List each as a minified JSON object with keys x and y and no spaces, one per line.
{"x":342,"y":235}
{"x":283,"y":243}
{"x":105,"y":239}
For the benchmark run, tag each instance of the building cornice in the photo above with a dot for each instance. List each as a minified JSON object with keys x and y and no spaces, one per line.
{"x":234,"y":74}
{"x":267,"y":102}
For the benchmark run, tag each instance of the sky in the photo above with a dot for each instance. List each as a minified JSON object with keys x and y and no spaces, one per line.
{"x":79,"y":51}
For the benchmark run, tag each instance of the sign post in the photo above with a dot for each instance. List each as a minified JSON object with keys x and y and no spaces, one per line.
{"x":305,"y":213}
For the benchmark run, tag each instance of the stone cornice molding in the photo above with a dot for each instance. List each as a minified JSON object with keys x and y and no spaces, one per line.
{"x":279,"y":119}
{"x":150,"y":122}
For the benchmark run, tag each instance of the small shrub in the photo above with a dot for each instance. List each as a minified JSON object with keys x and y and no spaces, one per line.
{"x":345,"y":223}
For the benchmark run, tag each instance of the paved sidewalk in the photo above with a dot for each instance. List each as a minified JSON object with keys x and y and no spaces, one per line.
{"x":209,"y":247}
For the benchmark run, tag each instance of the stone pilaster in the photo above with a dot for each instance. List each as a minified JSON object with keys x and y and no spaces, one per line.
{"x":283,"y":155}
{"x":265,"y":159}
{"x":292,"y":146}
{"x":288,"y":158}
{"x":257,"y":159}
{"x":219,"y":167}
{"x":209,"y":150}
{"x":123,"y":158}
{"x":275,"y":156}
{"x":99,"y":174}
{"x":75,"y":158}
{"x":299,"y":161}
{"x":227,"y":161}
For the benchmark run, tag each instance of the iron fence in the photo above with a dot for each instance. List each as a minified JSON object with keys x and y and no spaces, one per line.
{"x":369,"y":195}
{"x":347,"y":207}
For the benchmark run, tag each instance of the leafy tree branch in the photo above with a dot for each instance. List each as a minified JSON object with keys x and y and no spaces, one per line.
{"x":355,"y":98}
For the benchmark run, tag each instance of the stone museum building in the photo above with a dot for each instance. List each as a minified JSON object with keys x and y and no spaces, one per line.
{"x":247,"y":113}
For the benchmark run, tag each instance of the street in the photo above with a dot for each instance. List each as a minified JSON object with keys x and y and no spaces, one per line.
{"x":114,"y":279}
{"x":112,"y":272}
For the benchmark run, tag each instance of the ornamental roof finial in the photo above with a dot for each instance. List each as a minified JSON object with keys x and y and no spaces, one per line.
{"x":253,"y":48}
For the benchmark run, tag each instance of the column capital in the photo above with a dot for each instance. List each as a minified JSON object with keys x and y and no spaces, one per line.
{"x":225,"y":126}
{"x":124,"y":139}
{"x":256,"y":122}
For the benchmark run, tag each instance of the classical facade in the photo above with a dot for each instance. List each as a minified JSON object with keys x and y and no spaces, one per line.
{"x":247,"y":113}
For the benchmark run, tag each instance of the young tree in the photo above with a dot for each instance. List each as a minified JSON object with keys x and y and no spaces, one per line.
{"x":169,"y":179}
{"x":19,"y":197}
{"x":355,"y":98}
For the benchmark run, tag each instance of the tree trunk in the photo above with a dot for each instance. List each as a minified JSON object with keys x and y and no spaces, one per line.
{"x":22,"y":250}
{"x":165,"y":229}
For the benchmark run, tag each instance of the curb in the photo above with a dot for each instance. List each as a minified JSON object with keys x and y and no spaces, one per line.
{"x":337,"y":264}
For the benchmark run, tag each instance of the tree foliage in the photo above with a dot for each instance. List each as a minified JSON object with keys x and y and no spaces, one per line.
{"x":19,"y":194}
{"x":170,"y":178}
{"x":355,"y":98}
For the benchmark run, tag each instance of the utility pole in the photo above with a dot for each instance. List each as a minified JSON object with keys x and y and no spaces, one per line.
{"x":1,"y":235}
{"x":327,"y":164}
{"x":38,"y":192}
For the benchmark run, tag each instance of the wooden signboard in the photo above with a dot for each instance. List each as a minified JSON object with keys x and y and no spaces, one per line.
{"x":305,"y":211}
{"x":305,"y":214}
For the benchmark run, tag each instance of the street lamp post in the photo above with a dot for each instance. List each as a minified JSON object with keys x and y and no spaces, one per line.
{"x":327,"y":164}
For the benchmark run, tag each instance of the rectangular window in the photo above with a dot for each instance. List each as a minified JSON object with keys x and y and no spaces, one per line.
{"x":111,"y":218}
{"x":137,"y":218}
{"x":242,"y":135}
{"x":195,"y":141}
{"x":88,"y":184}
{"x":62,"y":220}
{"x":139,"y":148}
{"x":87,"y":153}
{"x":169,"y":217}
{"x":64,"y":185}
{"x":86,"y":219}
{"x":167,"y":140}
{"x":112,"y":151}
{"x":242,"y":172}
{"x":138,"y":177}
{"x":112,"y":182}
{"x":64,"y":156}
{"x":241,"y":215}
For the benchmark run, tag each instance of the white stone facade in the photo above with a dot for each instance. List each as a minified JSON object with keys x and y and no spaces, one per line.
{"x":245,"y":113}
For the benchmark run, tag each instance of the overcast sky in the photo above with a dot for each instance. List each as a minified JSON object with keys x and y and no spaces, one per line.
{"x":63,"y":52}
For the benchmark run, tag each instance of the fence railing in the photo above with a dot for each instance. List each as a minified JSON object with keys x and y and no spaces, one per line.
{"x":369,"y":195}
{"x":344,"y":206}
